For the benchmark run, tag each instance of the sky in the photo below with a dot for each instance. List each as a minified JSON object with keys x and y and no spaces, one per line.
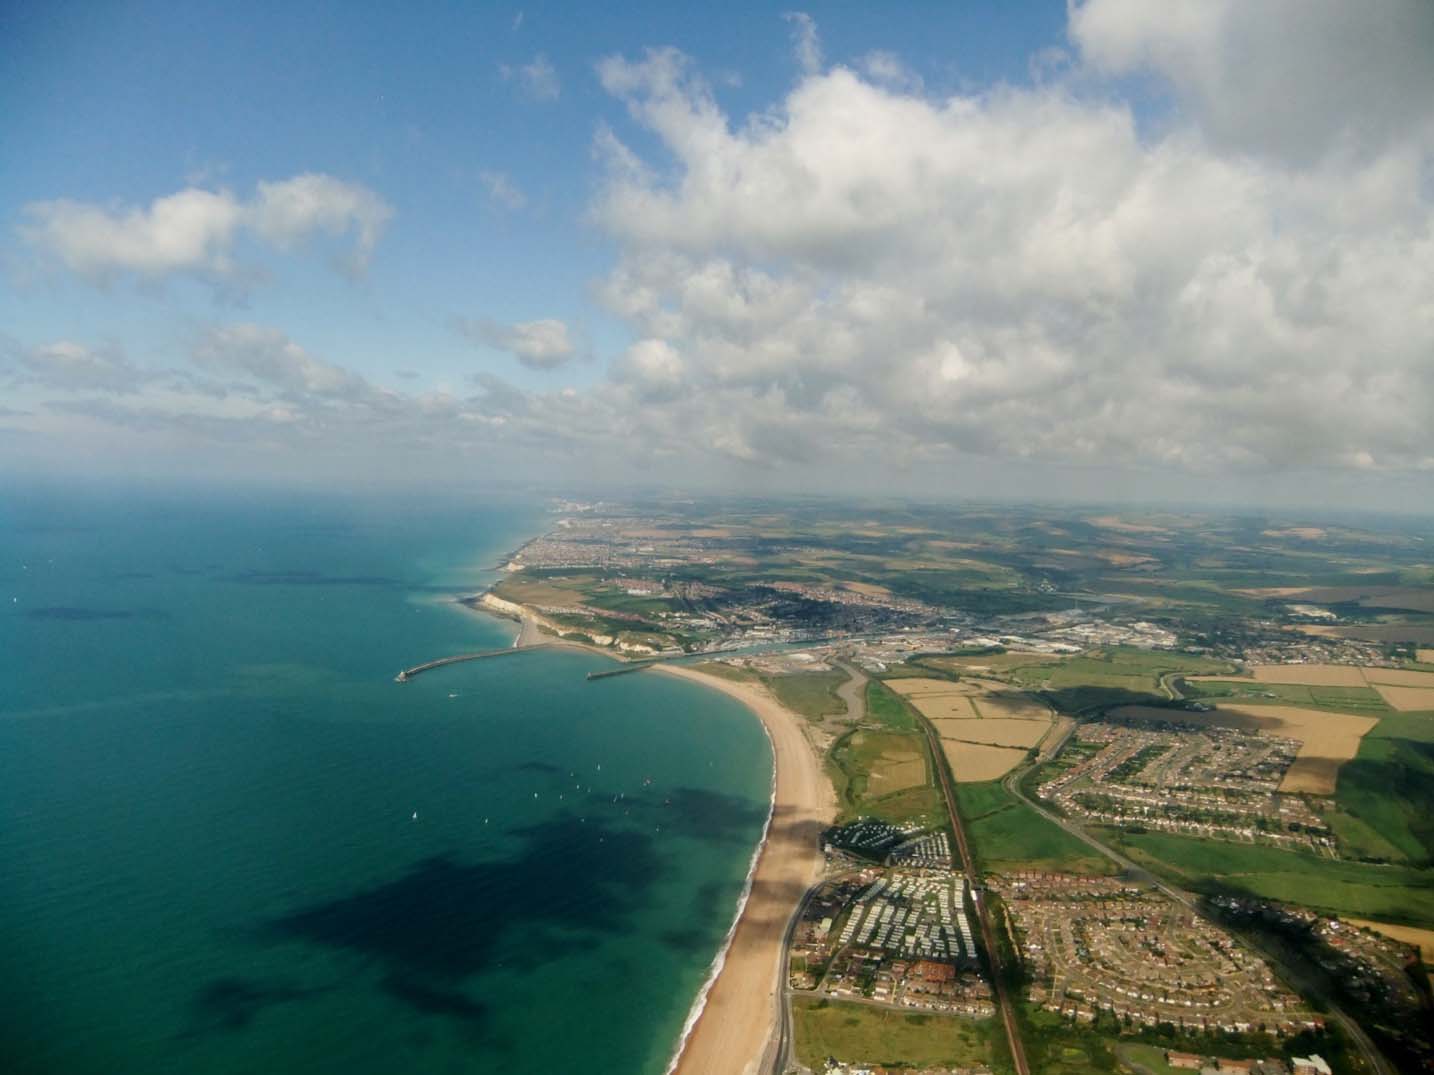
{"x":1111,"y":250}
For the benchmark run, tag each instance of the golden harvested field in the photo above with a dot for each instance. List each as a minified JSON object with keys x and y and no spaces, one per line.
{"x":972,"y":763}
{"x":1314,"y":675}
{"x":988,"y":732}
{"x":1327,"y":740}
{"x":920,"y":688}
{"x":1014,"y":706}
{"x":943,"y":707}
{"x":1399,"y":677}
{"x":1422,"y":939}
{"x":995,"y":731}
{"x":952,"y":729}
{"x":1406,"y":699}
{"x":943,"y":703}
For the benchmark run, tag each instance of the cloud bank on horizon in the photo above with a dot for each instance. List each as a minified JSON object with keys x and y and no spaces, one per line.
{"x":867,"y":276}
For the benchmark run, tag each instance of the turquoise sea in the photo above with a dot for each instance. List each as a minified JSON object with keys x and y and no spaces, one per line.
{"x":229,"y":842}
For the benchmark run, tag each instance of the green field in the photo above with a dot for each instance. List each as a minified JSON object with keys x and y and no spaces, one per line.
{"x":1391,"y":893}
{"x":1113,"y":676}
{"x":1006,"y":834}
{"x":1116,"y":666}
{"x":856,"y":755}
{"x":891,"y":731}
{"x":812,"y":694}
{"x":1389,"y":786}
{"x":1248,"y":692}
{"x":1359,"y":840}
{"x":1055,"y":1046}
{"x":885,"y":706}
{"x":862,"y":1033}
{"x":1150,"y":1058}
{"x":1418,"y":727}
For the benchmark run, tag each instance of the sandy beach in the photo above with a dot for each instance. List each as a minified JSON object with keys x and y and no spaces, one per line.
{"x":735,"y":1026}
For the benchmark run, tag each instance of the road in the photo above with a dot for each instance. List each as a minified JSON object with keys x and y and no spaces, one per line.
{"x":780,"y":1048}
{"x":1191,"y":902}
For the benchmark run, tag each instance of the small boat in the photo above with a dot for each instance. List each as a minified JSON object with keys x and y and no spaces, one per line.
{"x":415,"y":815}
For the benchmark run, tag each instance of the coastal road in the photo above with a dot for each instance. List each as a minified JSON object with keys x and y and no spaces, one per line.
{"x":1191,"y":902}
{"x":988,"y":935}
{"x":780,"y":1047}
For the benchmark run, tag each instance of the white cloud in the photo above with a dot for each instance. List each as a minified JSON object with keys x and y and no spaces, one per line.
{"x":865,"y":279}
{"x":502,"y":191}
{"x":194,"y":232}
{"x":291,"y":211}
{"x":653,"y":367}
{"x":806,"y":44}
{"x":76,"y":367}
{"x":538,"y":79}
{"x":1016,"y":274}
{"x":268,"y":358}
{"x":886,"y":68}
{"x":540,"y":345}
{"x":1293,"y":79}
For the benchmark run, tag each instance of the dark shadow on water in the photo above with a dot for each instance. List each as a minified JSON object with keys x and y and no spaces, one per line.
{"x":444,"y":922}
{"x":691,"y":940}
{"x":695,"y":813}
{"x":431,"y":1001}
{"x":231,"y":1004}
{"x":714,"y":903}
{"x":714,"y":815}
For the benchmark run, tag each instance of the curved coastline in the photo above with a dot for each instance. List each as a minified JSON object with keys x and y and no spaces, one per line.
{"x":732,"y":1018}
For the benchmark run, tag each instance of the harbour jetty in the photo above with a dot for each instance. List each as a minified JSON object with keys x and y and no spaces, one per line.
{"x":626,"y":669}
{"x":458,"y":658}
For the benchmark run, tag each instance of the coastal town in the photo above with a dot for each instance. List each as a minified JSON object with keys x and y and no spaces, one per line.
{"x":1057,"y":715}
{"x":660,"y":583}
